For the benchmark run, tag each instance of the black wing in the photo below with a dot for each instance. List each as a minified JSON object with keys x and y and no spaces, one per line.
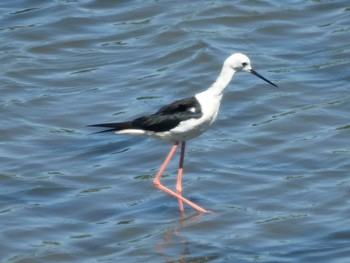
{"x":169,"y":116}
{"x":182,"y":105}
{"x":166,"y":118}
{"x":114,"y":126}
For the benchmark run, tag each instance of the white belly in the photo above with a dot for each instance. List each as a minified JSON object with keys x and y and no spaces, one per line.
{"x":194,"y":127}
{"x":191,"y":128}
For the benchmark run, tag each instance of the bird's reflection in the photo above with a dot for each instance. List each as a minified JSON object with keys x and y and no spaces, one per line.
{"x":174,"y":247}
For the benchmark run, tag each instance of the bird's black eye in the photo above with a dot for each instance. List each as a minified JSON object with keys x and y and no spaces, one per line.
{"x":244,"y":64}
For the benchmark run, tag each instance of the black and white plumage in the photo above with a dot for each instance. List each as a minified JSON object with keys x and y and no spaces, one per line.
{"x":185,"y":119}
{"x":161,"y":123}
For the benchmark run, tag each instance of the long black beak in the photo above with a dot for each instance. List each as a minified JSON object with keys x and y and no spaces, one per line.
{"x":259,"y":76}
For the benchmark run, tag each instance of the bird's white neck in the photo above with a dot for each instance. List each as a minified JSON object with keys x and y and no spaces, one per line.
{"x":218,"y":87}
{"x":210,"y":99}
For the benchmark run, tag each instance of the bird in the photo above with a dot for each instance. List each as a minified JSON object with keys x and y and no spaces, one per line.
{"x":184,"y":119}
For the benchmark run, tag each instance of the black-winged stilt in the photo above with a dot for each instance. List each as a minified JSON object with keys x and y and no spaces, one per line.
{"x":183,"y":120}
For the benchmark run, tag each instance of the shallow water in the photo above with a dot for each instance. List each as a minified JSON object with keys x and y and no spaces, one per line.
{"x":273,"y":169}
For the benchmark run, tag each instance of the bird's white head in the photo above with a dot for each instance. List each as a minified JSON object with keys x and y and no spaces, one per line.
{"x":238,"y":62}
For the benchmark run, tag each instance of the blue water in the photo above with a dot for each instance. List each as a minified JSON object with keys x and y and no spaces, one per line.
{"x":273,"y":168}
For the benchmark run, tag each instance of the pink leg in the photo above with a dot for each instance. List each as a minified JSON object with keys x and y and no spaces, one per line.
{"x":179,"y":175}
{"x":157,"y":183}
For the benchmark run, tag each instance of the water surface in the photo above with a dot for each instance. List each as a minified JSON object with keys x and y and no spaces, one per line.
{"x":274,"y":167}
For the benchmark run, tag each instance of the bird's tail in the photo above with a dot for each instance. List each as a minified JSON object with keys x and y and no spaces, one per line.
{"x":113,"y":127}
